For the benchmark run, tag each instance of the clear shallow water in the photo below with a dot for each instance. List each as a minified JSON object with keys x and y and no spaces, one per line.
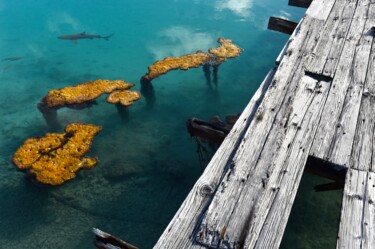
{"x":148,"y":163}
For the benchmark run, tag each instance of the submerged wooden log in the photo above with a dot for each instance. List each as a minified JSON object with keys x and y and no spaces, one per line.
{"x":206,"y":130}
{"x":281,"y":25}
{"x":105,"y":240}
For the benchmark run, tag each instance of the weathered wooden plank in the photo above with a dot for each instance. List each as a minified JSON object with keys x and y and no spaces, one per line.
{"x":362,"y":153}
{"x":300,"y":3}
{"x":358,"y":211}
{"x":286,"y":46}
{"x":320,"y":9}
{"x":324,"y":58}
{"x":180,"y":230}
{"x":272,"y":212}
{"x":350,"y":231}
{"x":281,"y":25}
{"x":337,"y":127}
{"x":275,"y":111}
{"x":369,"y":214}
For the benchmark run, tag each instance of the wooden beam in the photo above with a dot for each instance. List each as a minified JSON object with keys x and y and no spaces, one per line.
{"x":325,"y":57}
{"x":179,"y":232}
{"x":339,"y":119}
{"x":358,"y":209}
{"x":281,"y":25}
{"x":286,"y":46}
{"x":274,"y":146}
{"x":300,"y":3}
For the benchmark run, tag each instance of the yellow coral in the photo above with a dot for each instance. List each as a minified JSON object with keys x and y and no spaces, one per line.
{"x":214,"y":57}
{"x":226,"y":49}
{"x":171,"y":63}
{"x":55,"y":158}
{"x":82,"y":92}
{"x":124,"y":98}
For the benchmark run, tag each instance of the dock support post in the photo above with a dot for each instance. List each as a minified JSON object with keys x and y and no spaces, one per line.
{"x":281,"y":25}
{"x":300,"y":3}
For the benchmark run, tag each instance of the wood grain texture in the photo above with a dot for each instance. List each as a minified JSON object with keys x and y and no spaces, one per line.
{"x":261,"y":143}
{"x":286,"y":46}
{"x":337,"y":127}
{"x":369,"y":214}
{"x":324,"y":58}
{"x":363,"y":145}
{"x":358,"y":212}
{"x":179,"y":232}
{"x":319,"y":102}
{"x":275,"y":205}
{"x":320,"y":9}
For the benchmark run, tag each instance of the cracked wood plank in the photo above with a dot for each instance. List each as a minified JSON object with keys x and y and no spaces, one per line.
{"x":179,"y":232}
{"x":337,"y":127}
{"x":277,"y":201}
{"x":358,"y":209}
{"x":286,"y":46}
{"x":320,"y":9}
{"x":362,"y":157}
{"x":275,"y":111}
{"x":324,"y":58}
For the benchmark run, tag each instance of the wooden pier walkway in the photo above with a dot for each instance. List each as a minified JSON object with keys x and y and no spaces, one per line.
{"x":316,"y":107}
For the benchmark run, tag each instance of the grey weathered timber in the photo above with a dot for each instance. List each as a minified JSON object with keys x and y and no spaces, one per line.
{"x":272,"y":212}
{"x":281,"y":25}
{"x":300,"y":3}
{"x":254,"y":159}
{"x":369,"y":214}
{"x":324,"y":58}
{"x":339,"y":119}
{"x":362,"y":157}
{"x":179,"y":233}
{"x":285,"y":48}
{"x":358,"y":209}
{"x":319,"y":104}
{"x":320,"y":9}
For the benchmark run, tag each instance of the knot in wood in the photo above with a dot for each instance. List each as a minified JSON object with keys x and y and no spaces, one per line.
{"x":206,"y":189}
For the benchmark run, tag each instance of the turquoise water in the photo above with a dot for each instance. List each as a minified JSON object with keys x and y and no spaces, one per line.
{"x":315,"y":216}
{"x":148,"y":162}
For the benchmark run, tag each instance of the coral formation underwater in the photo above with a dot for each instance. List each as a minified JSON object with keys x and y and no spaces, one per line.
{"x":81,"y":93}
{"x":214,"y":57}
{"x":123,"y":98}
{"x":55,"y":158}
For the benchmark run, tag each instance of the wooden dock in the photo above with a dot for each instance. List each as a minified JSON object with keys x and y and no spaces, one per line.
{"x":316,"y":107}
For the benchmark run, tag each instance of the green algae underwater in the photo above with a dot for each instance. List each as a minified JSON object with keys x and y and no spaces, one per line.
{"x":148,"y":163}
